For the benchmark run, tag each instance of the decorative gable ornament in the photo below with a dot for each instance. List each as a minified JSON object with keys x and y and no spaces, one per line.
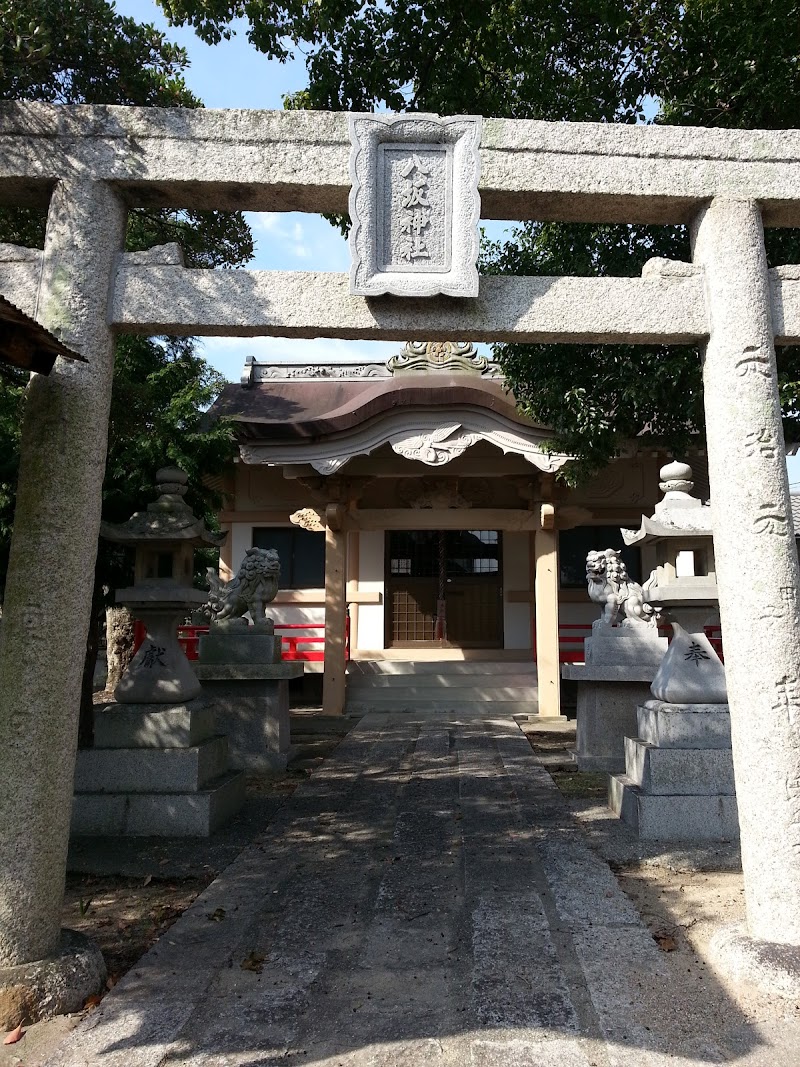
{"x":414,"y":205}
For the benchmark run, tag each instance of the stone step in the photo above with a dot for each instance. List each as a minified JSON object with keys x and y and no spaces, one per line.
{"x":462,"y":686}
{"x":673,"y":818}
{"x":686,"y":771}
{"x":190,"y":814}
{"x":479,"y":691}
{"x":684,"y":725}
{"x":445,"y":667}
{"x":153,"y":725}
{"x":487,"y":707}
{"x":150,"y":770}
{"x":357,"y":683}
{"x":304,"y":724}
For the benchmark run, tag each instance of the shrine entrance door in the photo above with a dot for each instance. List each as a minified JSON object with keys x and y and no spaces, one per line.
{"x":444,"y":588}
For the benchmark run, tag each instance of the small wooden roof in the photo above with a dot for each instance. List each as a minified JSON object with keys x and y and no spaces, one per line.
{"x":26,"y":344}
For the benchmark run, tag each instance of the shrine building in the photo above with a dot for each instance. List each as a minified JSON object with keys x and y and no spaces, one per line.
{"x":418,"y":516}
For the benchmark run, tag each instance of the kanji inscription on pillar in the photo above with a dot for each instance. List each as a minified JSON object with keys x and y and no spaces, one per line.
{"x":414,"y":205}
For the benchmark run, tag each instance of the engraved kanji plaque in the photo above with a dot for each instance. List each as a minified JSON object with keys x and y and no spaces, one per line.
{"x":414,"y":205}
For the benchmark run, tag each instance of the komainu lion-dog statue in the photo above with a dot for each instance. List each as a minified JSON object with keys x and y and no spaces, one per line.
{"x":609,"y":585}
{"x":251,"y":590}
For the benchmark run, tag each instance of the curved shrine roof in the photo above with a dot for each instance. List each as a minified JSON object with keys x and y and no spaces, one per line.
{"x":310,"y":409}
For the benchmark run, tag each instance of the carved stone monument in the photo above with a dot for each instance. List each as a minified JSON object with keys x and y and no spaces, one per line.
{"x":414,"y":205}
{"x":157,"y":767}
{"x":678,"y":783}
{"x":240,"y":665}
{"x":620,"y":660}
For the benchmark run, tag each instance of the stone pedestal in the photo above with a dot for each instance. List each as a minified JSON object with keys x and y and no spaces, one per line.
{"x":678,"y":783}
{"x":631,"y":645}
{"x":247,"y":687}
{"x":607,"y":699}
{"x":621,"y":662}
{"x":155,"y":770}
{"x":250,"y":705}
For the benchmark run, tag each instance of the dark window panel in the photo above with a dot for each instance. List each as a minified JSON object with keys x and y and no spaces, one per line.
{"x":575,"y":545}
{"x":301,"y":552}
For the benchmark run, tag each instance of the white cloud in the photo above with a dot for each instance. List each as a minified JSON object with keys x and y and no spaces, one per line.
{"x":265,"y":221}
{"x":283,"y":238}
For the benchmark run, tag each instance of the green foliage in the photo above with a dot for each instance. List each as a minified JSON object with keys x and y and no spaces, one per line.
{"x":162,"y":389}
{"x":595,"y":397}
{"x":521,"y":58}
{"x":208,"y":238}
{"x":723,"y":62}
{"x":85,"y":52}
{"x":701,"y":62}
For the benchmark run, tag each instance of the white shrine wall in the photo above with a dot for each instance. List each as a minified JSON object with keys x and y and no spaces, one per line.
{"x":516,"y":576}
{"x":371,"y":617}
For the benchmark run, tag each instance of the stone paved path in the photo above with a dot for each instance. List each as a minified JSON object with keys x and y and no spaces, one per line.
{"x":424,"y":900}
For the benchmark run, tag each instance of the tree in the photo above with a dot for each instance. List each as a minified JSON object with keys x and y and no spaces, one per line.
{"x":84,"y":52}
{"x":701,"y":62}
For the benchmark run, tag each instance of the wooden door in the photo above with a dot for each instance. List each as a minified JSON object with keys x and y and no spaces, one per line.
{"x":444,"y":588}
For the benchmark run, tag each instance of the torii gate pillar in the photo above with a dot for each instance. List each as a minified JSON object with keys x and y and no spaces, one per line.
{"x":51,"y":570}
{"x":756,"y":559}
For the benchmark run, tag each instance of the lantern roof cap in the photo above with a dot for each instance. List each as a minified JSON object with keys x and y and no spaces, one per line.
{"x":167,"y":520}
{"x":679,"y":514}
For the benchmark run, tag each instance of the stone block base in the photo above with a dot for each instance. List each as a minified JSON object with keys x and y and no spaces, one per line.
{"x":158,"y":771}
{"x":606,"y":715}
{"x":673,"y":818}
{"x":684,"y":725}
{"x":684,"y":771}
{"x":678,"y":783}
{"x":630,"y":645}
{"x":152,"y":726}
{"x":53,"y":986}
{"x":147,"y":770}
{"x":196,"y":814}
{"x":253,"y":714}
{"x":239,"y":646}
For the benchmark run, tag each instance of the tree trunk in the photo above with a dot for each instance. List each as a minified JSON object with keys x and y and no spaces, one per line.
{"x":119,"y":643}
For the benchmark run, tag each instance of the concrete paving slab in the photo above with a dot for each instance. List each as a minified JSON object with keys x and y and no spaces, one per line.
{"x":425,"y":898}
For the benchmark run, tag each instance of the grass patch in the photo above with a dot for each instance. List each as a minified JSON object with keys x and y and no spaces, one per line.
{"x":585,"y":785}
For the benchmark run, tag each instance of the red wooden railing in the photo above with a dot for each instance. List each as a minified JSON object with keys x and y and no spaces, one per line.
{"x":307,"y":646}
{"x":714,"y":635}
{"x":572,"y":635}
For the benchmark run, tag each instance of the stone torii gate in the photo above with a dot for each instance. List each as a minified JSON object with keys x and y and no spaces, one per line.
{"x":89,"y":164}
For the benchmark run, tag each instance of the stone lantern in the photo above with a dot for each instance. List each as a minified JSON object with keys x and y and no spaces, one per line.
{"x":164,"y":538}
{"x":685,"y":582}
{"x":159,"y":766}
